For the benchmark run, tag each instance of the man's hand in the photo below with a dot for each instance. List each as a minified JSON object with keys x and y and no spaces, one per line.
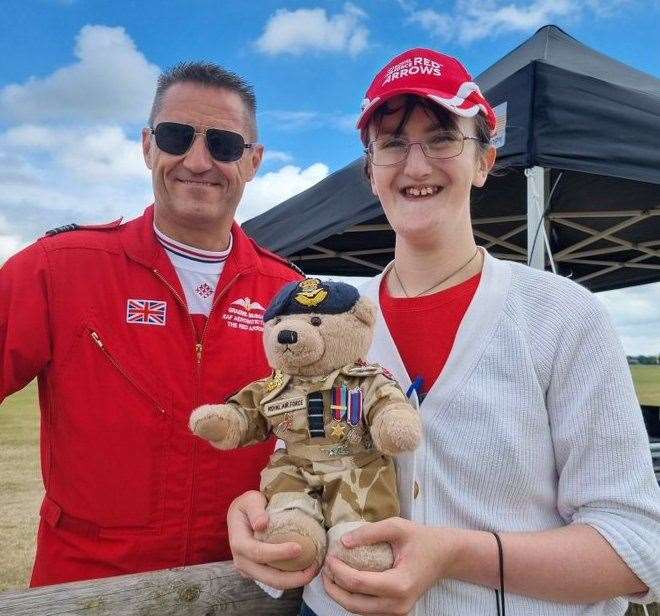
{"x":246,"y":515}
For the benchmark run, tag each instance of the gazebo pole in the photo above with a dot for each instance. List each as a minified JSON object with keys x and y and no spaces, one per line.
{"x":538,"y":182}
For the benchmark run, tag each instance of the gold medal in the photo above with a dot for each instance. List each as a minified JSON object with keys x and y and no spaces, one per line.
{"x":337,"y":431}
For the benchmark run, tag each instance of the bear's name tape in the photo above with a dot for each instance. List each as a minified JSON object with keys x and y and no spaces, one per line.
{"x":285,"y":405}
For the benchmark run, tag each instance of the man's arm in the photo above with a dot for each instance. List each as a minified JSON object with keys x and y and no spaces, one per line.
{"x":25,"y":345}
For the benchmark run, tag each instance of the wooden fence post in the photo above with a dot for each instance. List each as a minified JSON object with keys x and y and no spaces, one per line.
{"x":202,"y":590}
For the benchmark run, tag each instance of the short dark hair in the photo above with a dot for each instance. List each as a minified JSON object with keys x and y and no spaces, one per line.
{"x":445,"y":118}
{"x":210,"y":75}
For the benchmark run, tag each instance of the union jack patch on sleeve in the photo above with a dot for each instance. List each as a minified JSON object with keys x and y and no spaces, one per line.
{"x":146,"y":311}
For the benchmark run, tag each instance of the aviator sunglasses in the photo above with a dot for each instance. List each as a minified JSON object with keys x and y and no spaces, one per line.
{"x":224,"y":145}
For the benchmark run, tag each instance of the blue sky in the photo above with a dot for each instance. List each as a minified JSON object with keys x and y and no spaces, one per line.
{"x":77,"y":76}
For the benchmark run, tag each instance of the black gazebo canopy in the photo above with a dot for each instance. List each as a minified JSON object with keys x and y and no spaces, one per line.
{"x":588,"y":123}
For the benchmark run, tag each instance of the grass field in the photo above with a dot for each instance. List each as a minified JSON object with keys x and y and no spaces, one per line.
{"x":647,"y":383}
{"x":21,"y":489}
{"x":20,"y":486}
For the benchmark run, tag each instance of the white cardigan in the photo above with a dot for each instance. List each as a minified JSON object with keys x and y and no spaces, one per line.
{"x":533,"y":424}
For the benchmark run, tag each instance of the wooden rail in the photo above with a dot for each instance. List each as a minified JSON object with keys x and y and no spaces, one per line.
{"x":203,"y":590}
{"x":216,"y":589}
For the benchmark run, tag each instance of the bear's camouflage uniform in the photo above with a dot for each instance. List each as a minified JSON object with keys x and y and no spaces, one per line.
{"x":335,"y":478}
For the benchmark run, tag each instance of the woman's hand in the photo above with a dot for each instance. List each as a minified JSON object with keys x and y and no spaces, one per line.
{"x":422,"y":556}
{"x":251,"y":557}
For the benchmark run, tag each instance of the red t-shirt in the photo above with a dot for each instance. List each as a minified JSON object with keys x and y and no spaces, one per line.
{"x":424,"y":328}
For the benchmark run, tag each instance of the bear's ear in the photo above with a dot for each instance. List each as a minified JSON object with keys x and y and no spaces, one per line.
{"x":365,"y":310}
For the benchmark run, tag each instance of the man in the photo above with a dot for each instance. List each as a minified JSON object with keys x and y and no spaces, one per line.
{"x":129,"y":327}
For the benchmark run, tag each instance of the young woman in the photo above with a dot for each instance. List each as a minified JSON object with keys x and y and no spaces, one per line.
{"x":534,"y":474}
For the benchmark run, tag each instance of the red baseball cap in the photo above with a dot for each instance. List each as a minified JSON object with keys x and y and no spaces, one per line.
{"x":431,"y":74}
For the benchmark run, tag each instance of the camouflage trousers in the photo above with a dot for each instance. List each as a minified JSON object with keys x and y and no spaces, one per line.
{"x":347,"y":489}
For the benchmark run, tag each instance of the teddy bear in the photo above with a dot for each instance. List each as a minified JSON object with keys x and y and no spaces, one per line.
{"x":340,"y":419}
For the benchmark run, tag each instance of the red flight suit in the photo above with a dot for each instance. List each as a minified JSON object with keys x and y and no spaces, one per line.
{"x":128,"y":487}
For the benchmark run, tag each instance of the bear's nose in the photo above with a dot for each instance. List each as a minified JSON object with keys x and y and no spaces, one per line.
{"x":287,"y":336}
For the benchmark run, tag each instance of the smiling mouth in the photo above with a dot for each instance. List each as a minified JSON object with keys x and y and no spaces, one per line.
{"x":197,"y":183}
{"x":420,"y":192}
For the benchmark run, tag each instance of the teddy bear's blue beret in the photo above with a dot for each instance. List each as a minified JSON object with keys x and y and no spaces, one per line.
{"x":312,"y":295}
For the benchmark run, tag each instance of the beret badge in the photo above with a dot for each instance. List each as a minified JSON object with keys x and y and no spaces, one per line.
{"x":311,"y":293}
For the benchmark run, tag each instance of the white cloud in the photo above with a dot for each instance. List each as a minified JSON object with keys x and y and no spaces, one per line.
{"x":439,"y":24}
{"x":50,"y":176}
{"x":302,"y":120}
{"x":272,"y":188}
{"x":86,"y":170}
{"x":482,"y":19}
{"x":634,"y":305}
{"x":291,"y":120}
{"x":635,"y":314}
{"x":304,"y":30}
{"x":607,"y":8}
{"x":9,"y":244}
{"x":95,"y":153}
{"x":407,"y":5}
{"x":34,"y":209}
{"x":346,"y":122}
{"x":111,"y":81}
{"x":277,"y":156}
{"x":472,"y":20}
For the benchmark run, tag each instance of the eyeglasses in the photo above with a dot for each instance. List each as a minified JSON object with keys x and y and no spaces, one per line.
{"x":392,"y":150}
{"x":224,"y":145}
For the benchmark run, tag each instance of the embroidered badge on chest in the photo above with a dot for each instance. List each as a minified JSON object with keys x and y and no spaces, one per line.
{"x":146,"y":312}
{"x":284,"y":426}
{"x":245,"y":314}
{"x":204,"y":290}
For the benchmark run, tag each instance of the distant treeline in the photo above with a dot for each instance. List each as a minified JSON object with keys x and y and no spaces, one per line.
{"x":644,"y":359}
